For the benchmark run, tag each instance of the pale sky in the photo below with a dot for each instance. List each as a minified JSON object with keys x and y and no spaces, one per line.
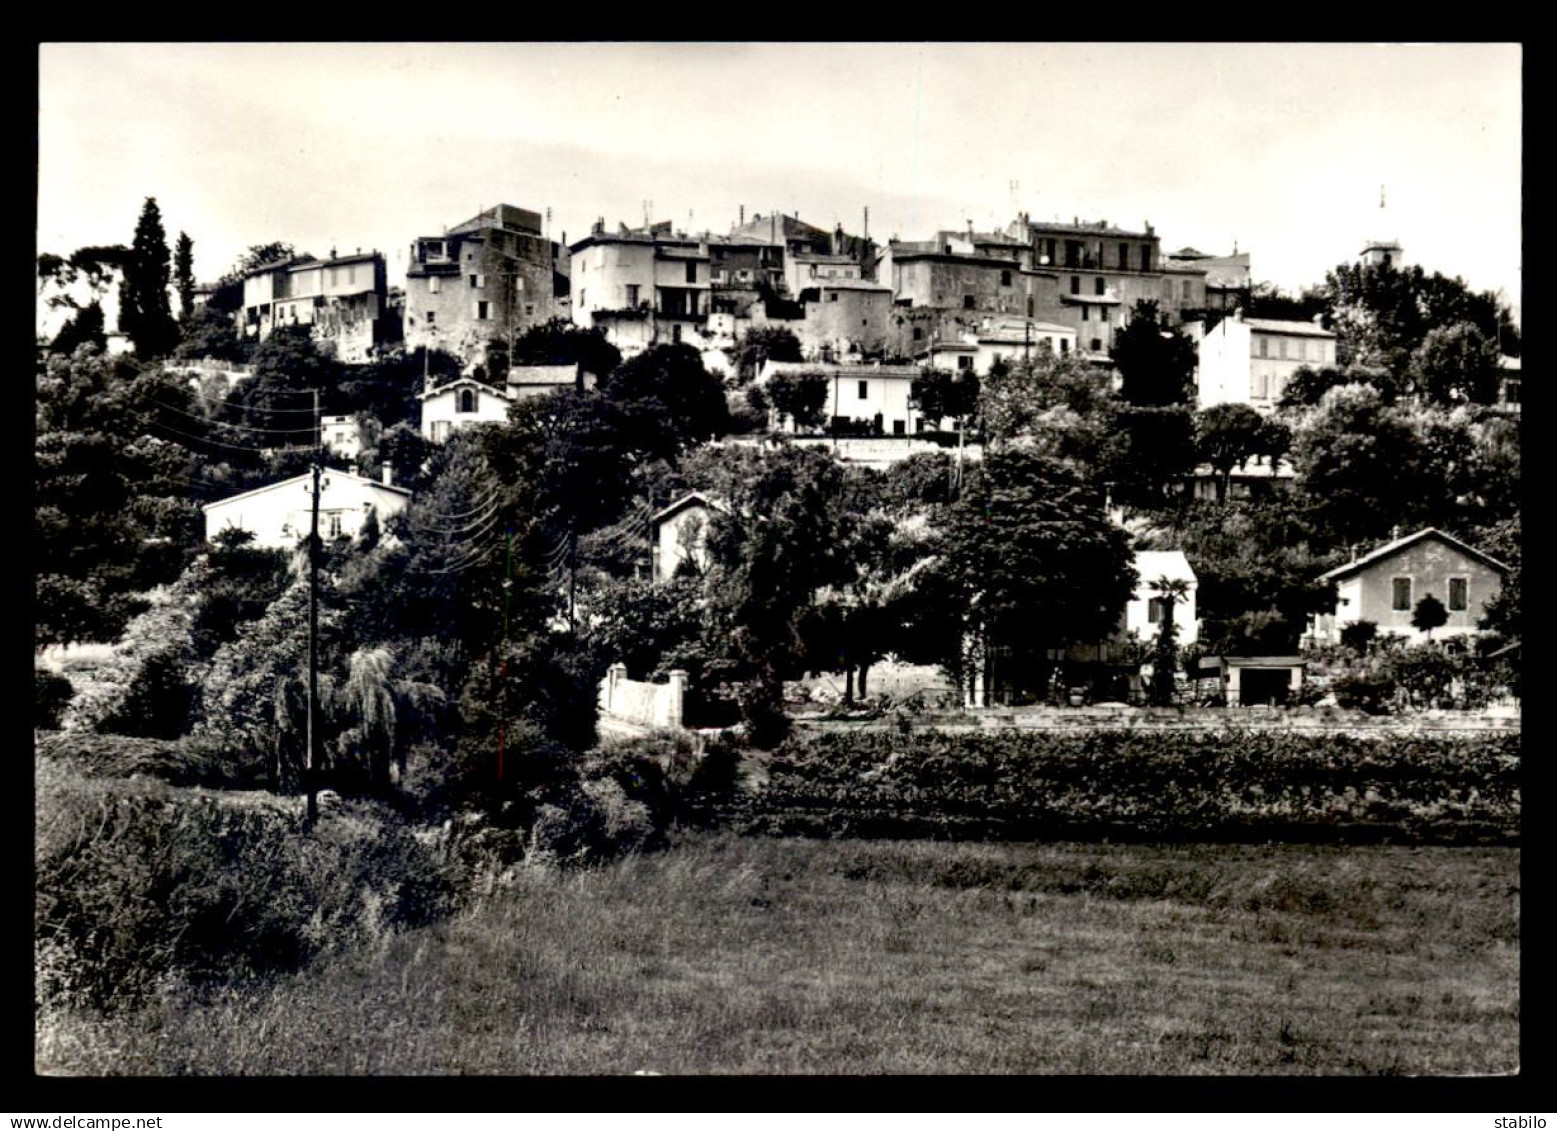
{"x":1279,"y":147}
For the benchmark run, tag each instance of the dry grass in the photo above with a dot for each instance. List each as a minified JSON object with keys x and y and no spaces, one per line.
{"x":729,"y":955}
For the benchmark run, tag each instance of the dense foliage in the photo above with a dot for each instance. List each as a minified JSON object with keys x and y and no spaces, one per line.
{"x":1144,"y":784}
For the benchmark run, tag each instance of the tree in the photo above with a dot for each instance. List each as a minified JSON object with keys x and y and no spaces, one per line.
{"x":667,"y":400}
{"x":1382,"y":314}
{"x":940,"y":393}
{"x":762,"y":344}
{"x":1361,"y":465}
{"x":1429,"y":614}
{"x":1456,"y":364}
{"x":1156,"y":363}
{"x":560,"y":342}
{"x":801,"y":397}
{"x":1148,"y":453}
{"x":781,"y":540}
{"x":1226,"y":436}
{"x":1028,"y":562}
{"x":184,"y":274}
{"x":1170,"y":591}
{"x":1060,"y":405}
{"x":210,"y":332}
{"x":84,"y":328}
{"x":144,"y":312}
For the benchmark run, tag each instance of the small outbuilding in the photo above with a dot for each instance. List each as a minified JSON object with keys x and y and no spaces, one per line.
{"x":1249,"y":681}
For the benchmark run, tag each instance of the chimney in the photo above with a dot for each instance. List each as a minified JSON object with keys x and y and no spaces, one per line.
{"x":838,"y":239}
{"x":389,"y":474}
{"x":742,"y":222}
{"x":866,"y":232}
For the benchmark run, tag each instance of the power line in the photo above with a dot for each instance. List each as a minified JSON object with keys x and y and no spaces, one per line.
{"x":225,"y":424}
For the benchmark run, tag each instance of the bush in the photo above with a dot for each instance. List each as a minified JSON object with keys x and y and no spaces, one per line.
{"x":1359,"y":634}
{"x":51,"y":694}
{"x":139,"y":883}
{"x":1373,"y":692}
{"x":183,"y":761}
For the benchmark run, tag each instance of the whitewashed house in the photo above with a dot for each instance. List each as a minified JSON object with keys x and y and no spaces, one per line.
{"x":1144,"y":613}
{"x":460,"y":403}
{"x":279,"y":515}
{"x":1250,"y":360}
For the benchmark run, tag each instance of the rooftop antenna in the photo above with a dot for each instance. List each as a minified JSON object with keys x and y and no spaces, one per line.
{"x":548,"y":222}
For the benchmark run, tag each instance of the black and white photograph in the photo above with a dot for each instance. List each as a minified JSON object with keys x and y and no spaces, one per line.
{"x":777,"y":559}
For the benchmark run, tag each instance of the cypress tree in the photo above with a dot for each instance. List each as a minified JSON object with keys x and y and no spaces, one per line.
{"x":184,"y":274}
{"x":145,"y":312}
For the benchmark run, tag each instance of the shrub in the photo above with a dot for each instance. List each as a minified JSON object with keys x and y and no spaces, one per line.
{"x":139,"y":883}
{"x":1359,"y":634}
{"x":183,"y":761}
{"x":50,"y":695}
{"x":1372,"y":692}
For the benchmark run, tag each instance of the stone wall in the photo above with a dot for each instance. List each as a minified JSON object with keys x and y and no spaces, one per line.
{"x":641,"y":703}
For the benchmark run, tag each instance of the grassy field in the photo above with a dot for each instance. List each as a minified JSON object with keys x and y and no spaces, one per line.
{"x":758,"y":955}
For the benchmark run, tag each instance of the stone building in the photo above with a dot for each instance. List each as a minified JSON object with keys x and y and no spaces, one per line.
{"x":486,"y":280}
{"x":643,"y":287}
{"x":343,"y":299}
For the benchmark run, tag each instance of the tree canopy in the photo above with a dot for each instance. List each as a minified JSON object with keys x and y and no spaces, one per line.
{"x":145,"y":313}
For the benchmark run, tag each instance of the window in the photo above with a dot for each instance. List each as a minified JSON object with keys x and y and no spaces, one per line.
{"x":1086,"y":312}
{"x":432,"y":285}
{"x":481,"y":311}
{"x":1185,"y":285}
{"x":899,"y":428}
{"x":964,"y":361}
{"x":1097,"y":345}
{"x":1261,"y":388}
{"x":967,"y":302}
{"x":475,"y":281}
{"x":440,"y":431}
{"x":332,"y":524}
{"x":1075,"y":284}
{"x":1029,"y":306}
{"x":467,"y":400}
{"x":432,"y":316}
{"x":632,"y":296}
{"x":1459,"y":594}
{"x":1005,"y":278}
{"x":1400,"y":594}
{"x":1281,"y":347}
{"x":692,"y":272}
{"x":1124,"y":257}
{"x":832,"y":296}
{"x":918,"y":333}
{"x":1154,"y":608}
{"x":1146,"y":258}
{"x":1064,"y":345}
{"x":1264,"y":346}
{"x":1097,"y":286}
{"x":351,"y":275}
{"x":675,"y":332}
{"x":864,"y":390}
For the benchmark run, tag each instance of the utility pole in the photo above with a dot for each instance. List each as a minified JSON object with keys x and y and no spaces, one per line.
{"x":310,"y":781}
{"x":502,"y":674}
{"x":572,"y":573}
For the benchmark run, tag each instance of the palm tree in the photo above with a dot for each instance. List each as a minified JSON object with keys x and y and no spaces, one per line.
{"x":1170,"y":591}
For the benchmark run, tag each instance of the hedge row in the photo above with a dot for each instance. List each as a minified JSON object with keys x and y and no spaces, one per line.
{"x":139,"y":882}
{"x":1132,"y":784}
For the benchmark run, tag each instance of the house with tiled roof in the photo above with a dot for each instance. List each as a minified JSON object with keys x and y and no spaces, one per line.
{"x":1385,"y":585}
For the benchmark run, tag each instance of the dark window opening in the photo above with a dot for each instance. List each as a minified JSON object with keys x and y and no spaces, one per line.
{"x":1400,"y":594}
